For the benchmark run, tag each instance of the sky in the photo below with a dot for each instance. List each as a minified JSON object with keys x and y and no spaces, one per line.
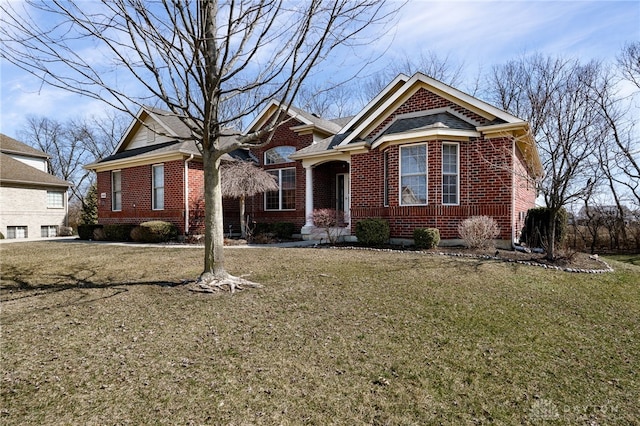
{"x":477,"y":34}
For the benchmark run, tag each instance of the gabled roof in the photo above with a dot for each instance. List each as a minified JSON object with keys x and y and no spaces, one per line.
{"x":14,"y":172}
{"x":401,"y":88}
{"x":310,"y":121}
{"x":179,"y":143}
{"x":9,"y":145}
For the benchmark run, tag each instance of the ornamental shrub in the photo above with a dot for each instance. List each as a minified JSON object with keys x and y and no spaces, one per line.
{"x":426,"y":238}
{"x":118,"y":232}
{"x":329,"y":220}
{"x":283,"y":229}
{"x":85,"y":232}
{"x":536,"y":224}
{"x":479,"y":231}
{"x":155,"y":231}
{"x":372,"y":232}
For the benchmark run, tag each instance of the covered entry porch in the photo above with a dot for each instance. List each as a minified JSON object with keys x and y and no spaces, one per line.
{"x":328,"y":186}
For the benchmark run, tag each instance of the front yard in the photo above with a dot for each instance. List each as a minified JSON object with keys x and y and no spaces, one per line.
{"x":104,"y":334}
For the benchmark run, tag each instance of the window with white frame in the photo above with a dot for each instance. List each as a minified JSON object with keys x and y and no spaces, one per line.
{"x":285,"y":197}
{"x":116,"y":190}
{"x":279,"y":155}
{"x":386,"y":178}
{"x":55,"y":199}
{"x":17,"y":232}
{"x":158,"y":186}
{"x":413,"y":175}
{"x":48,"y":231}
{"x":450,"y":173}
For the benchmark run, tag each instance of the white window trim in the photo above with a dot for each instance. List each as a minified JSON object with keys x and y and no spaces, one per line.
{"x":153,"y":187}
{"x":279,"y":191}
{"x":276,"y":147}
{"x":113,"y":192}
{"x":12,"y":232}
{"x":385,"y":178}
{"x":457,"y":145}
{"x":426,"y":173}
{"x":62,"y":198}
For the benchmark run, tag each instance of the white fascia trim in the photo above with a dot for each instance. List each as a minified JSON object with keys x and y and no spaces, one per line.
{"x":374,"y":101}
{"x":504,"y":128}
{"x":425,"y":135}
{"x":265,"y":113}
{"x":137,"y":161}
{"x":476,"y":105}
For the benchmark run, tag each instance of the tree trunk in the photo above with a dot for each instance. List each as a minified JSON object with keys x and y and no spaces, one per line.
{"x":243,"y":222}
{"x":213,"y":224}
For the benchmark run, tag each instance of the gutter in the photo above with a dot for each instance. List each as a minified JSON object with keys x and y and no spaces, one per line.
{"x":186,"y":194}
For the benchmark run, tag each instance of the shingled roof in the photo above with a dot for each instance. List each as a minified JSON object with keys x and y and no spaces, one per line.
{"x":15,"y":172}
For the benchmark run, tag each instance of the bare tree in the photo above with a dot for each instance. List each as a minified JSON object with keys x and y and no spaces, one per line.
{"x":553,"y":95}
{"x":242,"y":179}
{"x":629,"y":62}
{"x":211,"y":63}
{"x":73,"y":143}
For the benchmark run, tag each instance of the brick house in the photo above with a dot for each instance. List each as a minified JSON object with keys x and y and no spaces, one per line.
{"x":420,"y":154}
{"x":33,"y":202}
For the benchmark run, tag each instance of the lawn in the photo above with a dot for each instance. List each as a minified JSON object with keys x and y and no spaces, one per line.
{"x":99,"y":334}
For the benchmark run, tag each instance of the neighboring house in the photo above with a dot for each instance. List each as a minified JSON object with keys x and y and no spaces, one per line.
{"x":420,"y":154}
{"x":605,"y":213}
{"x":33,"y":203}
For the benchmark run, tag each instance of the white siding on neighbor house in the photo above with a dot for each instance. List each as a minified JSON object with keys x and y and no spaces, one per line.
{"x":38,"y":163}
{"x":142,"y":137}
{"x":28,"y":207}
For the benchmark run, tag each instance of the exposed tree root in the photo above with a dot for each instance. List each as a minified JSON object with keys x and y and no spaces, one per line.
{"x":210,"y":283}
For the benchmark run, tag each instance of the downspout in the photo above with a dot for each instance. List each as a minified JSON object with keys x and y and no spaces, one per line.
{"x":186,"y":194}
{"x":514,"y":182}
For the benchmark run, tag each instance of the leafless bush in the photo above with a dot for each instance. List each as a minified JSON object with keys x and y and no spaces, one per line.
{"x":329,"y":220}
{"x":479,"y":231}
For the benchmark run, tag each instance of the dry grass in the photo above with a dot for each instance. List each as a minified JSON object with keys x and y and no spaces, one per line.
{"x":104,"y":334}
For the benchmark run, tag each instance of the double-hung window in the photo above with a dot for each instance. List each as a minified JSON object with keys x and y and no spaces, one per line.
{"x":116,"y":190}
{"x":450,"y":173}
{"x":413,"y":175}
{"x":285,"y":197}
{"x":158,"y":186}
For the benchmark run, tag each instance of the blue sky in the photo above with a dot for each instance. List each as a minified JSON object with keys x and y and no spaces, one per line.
{"x":478,"y":34}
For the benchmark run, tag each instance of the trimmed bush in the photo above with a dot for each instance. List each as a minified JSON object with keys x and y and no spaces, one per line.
{"x":1,"y":236}
{"x":426,"y":238}
{"x":155,"y":231}
{"x":260,"y":228}
{"x":534,"y":233}
{"x":65,"y":231}
{"x":85,"y":232}
{"x":118,"y":232}
{"x":479,"y":231}
{"x":283,"y":229}
{"x":372,"y":232}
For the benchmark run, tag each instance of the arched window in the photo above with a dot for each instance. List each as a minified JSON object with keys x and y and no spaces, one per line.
{"x":279,"y":155}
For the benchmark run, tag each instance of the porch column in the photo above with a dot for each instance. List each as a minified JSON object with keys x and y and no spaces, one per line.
{"x":308,"y":198}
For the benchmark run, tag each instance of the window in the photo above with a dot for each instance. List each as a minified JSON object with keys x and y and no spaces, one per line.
{"x":55,"y":199}
{"x":285,"y":197}
{"x":279,"y":155}
{"x":158,"y":186}
{"x":413,"y":175}
{"x":450,"y":173}
{"x":17,"y":232}
{"x":116,"y":191}
{"x":386,"y":178}
{"x":48,"y":231}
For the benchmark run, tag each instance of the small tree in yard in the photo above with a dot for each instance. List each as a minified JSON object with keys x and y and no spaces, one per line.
{"x":329,"y":220}
{"x":479,"y":231}
{"x":241,"y":179}
{"x":213,"y":64}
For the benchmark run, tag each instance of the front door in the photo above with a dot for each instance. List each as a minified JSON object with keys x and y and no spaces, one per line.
{"x":342,"y":195}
